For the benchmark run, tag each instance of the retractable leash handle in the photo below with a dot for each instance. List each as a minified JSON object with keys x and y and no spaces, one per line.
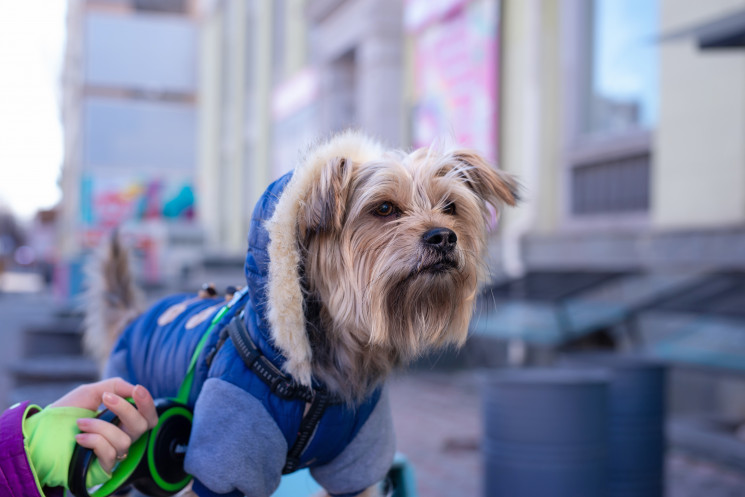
{"x":155,"y":462}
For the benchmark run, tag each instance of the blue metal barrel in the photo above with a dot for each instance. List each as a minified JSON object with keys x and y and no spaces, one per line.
{"x":545,"y":433}
{"x":636,"y":422}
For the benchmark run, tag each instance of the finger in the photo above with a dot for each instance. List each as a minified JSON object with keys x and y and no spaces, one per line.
{"x":118,"y":386}
{"x":115,"y":437}
{"x":98,"y":390}
{"x":121,"y":387}
{"x":104,"y":451}
{"x":132,"y":422}
{"x":145,"y":405}
{"x":89,"y":396}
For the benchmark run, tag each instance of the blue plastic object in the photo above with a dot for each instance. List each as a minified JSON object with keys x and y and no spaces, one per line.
{"x":545,"y":433}
{"x":297,"y":484}
{"x":302,"y":484}
{"x":636,"y":422}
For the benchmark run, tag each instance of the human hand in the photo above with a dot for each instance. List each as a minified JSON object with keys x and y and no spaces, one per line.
{"x":109,"y":442}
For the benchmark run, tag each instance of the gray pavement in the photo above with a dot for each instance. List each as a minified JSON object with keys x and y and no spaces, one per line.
{"x":437,"y":417}
{"x":438,"y":428}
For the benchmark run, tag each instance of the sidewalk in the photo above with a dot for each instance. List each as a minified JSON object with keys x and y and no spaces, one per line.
{"x":437,"y":418}
{"x":438,"y":424}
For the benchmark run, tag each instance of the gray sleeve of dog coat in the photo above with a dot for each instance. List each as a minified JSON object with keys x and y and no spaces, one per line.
{"x":234,"y":443}
{"x":367,"y":459}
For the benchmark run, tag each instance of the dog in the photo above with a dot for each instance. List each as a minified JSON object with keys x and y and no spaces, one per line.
{"x":359,"y":261}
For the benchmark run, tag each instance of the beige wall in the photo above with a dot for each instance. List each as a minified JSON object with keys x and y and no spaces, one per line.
{"x":699,"y":166}
{"x":530,"y":117}
{"x":71,"y":93}
{"x":234,"y":138}
{"x":210,"y":71}
{"x":549,"y":206}
{"x":258,"y":127}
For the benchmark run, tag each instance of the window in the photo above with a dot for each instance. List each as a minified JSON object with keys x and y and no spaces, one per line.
{"x":622,"y":92}
{"x":615,"y":101}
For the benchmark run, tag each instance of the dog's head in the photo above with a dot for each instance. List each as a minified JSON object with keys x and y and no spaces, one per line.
{"x":391,"y":247}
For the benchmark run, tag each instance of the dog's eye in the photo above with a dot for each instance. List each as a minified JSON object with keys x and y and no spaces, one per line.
{"x":385,"y":209}
{"x":449,"y":208}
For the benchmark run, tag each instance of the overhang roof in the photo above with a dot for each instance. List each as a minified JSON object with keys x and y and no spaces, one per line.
{"x":723,"y":32}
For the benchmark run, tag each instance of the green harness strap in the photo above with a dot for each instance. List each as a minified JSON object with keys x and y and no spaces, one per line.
{"x":185,"y":389}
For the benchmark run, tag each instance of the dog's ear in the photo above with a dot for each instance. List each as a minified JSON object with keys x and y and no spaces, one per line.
{"x":490,"y":184}
{"x":324,"y":207}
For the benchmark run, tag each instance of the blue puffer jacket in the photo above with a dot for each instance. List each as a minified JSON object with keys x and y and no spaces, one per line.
{"x":242,"y":431}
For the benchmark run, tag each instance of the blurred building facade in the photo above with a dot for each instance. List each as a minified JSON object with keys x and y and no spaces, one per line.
{"x":630,"y":149}
{"x":130,"y":121}
{"x":625,"y":142}
{"x":308,"y":69}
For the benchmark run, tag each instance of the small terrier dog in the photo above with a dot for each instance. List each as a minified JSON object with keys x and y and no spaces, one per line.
{"x":359,"y":261}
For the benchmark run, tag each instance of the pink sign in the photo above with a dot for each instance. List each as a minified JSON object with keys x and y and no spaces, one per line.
{"x":456,"y":68}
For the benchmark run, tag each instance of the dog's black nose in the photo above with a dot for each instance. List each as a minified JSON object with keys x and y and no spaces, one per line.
{"x":443,"y":239}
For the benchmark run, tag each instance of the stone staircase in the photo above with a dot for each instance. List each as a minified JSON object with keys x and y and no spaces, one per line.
{"x":51,"y":360}
{"x":48,"y":360}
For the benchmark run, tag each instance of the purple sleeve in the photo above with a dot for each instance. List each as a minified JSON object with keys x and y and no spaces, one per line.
{"x":16,"y":477}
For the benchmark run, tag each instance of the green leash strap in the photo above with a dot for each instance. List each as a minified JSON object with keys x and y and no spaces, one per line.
{"x":185,"y":389}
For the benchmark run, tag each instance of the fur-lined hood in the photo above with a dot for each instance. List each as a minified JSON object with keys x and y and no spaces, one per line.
{"x":273,"y":262}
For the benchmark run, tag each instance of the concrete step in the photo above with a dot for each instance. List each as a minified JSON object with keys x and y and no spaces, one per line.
{"x":714,"y":440}
{"x":41,"y":394}
{"x":60,"y":369}
{"x":59,"y":337}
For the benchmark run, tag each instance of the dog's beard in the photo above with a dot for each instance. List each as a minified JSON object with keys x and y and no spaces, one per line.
{"x":422,"y":304}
